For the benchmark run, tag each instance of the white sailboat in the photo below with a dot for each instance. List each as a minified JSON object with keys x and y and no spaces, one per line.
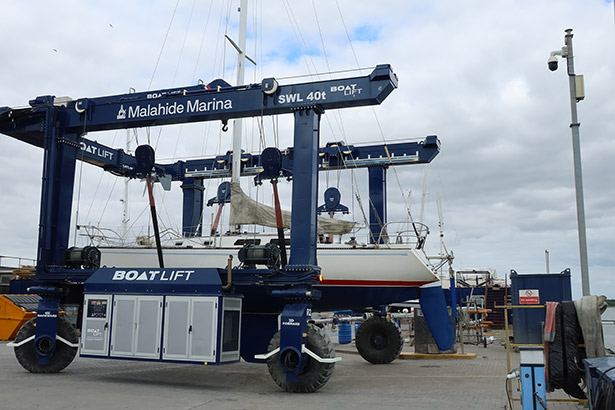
{"x":343,"y":264}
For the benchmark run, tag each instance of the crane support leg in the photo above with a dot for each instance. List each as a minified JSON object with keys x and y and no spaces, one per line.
{"x":57,"y":194}
{"x":193,"y":206}
{"x":305,"y":189}
{"x":377,"y":203}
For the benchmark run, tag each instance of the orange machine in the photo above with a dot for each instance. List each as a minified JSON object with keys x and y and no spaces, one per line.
{"x":15,"y":310}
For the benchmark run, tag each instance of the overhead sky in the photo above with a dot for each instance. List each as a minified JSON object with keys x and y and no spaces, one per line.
{"x":474,"y":73}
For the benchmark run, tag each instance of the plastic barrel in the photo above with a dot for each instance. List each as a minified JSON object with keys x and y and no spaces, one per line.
{"x":345,"y":333}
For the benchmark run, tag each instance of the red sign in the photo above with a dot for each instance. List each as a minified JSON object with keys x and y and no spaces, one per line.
{"x":529,"y":297}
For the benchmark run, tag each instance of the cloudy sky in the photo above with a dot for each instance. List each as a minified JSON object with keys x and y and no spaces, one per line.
{"x":474,"y":73}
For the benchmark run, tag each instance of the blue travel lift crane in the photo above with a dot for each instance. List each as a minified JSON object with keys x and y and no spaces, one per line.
{"x":151,"y":314}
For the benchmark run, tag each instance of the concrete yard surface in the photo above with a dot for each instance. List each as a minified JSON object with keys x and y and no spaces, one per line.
{"x":404,"y":384}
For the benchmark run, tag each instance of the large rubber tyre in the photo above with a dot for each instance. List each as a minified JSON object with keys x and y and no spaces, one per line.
{"x":62,"y":356}
{"x":379,"y":341}
{"x":315,"y":374}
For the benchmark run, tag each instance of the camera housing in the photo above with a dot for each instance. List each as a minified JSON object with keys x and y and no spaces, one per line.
{"x":552,"y":63}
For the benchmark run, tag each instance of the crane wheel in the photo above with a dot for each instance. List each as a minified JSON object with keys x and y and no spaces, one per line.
{"x":379,"y":341}
{"x":315,"y":374}
{"x":62,"y":356}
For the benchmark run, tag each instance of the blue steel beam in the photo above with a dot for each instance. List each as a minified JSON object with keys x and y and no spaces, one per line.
{"x":198,"y":103}
{"x":333,"y":156}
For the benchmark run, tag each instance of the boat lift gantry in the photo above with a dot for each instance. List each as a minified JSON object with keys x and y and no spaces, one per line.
{"x":58,"y":125}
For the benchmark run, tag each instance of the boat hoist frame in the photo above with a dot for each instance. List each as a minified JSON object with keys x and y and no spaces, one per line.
{"x":59,"y":126}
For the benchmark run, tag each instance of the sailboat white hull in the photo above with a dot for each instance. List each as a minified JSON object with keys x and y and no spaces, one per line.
{"x":383,"y":267}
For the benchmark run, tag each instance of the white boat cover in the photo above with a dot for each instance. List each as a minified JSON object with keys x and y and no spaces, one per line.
{"x":246,"y":211}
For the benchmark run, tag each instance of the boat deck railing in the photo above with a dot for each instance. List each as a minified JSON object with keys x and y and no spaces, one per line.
{"x":407,"y":233}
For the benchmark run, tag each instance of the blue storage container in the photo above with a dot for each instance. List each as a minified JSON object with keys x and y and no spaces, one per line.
{"x":345,"y":333}
{"x":536,"y":289}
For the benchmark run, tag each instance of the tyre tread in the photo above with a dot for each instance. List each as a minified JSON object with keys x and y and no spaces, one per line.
{"x":317,"y":374}
{"x":62,"y":356}
{"x":369,"y":352}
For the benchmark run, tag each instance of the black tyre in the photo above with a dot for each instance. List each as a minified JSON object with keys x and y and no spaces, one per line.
{"x":379,"y":341}
{"x":62,"y":356}
{"x":315,"y":374}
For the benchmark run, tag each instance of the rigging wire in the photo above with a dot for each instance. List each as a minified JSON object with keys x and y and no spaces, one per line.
{"x":315,"y":73}
{"x":181,"y":50}
{"x":214,"y":70}
{"x":107,"y":201}
{"x":80,"y":178}
{"x":98,"y":185}
{"x":149,"y":87}
{"x":226,"y":19}
{"x":299,"y":37}
{"x":198,"y":57}
{"x":347,"y":35}
{"x":324,"y":51}
{"x":166,"y":36}
{"x":322,"y":41}
{"x":381,"y":132}
{"x":337,"y":116}
{"x":179,"y":59}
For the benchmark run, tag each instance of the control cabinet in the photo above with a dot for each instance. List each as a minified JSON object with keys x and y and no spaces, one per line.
{"x":167,"y":328}
{"x":95,"y":326}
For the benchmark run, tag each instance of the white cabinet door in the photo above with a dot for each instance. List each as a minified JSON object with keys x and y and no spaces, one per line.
{"x":149,"y":324}
{"x":136,"y":326}
{"x":204,"y":326}
{"x":176,"y":328}
{"x":190,"y":328}
{"x":123,"y":325}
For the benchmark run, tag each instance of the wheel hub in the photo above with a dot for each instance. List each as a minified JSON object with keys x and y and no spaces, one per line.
{"x":290,"y":360}
{"x":44,"y":345}
{"x":379,"y":341}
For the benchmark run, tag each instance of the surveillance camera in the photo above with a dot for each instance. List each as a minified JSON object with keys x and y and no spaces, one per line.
{"x":552,"y":63}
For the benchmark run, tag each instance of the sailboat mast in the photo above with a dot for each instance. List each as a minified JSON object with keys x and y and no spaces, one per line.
{"x":125,"y":201}
{"x":241,"y":68}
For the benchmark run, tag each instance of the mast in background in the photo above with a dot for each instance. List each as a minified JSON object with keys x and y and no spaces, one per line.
{"x":241,"y":62}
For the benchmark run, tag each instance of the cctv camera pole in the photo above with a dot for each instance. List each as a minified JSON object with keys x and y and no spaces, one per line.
{"x":576,"y":153}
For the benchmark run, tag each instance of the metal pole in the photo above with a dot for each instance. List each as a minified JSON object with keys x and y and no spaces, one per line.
{"x":576,"y":153}
{"x":125,"y":201}
{"x":241,"y":61}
